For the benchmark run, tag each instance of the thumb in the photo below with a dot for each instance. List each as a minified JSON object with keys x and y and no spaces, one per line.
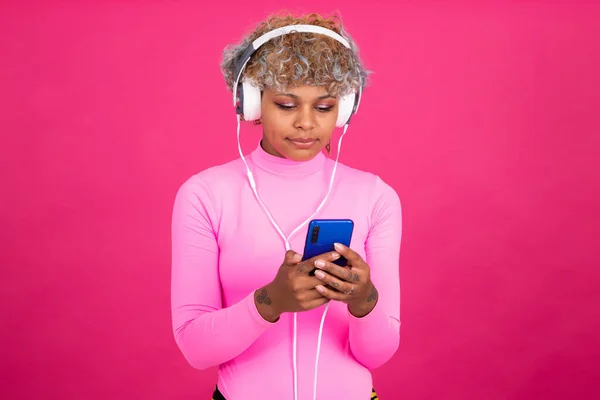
{"x":292,"y":258}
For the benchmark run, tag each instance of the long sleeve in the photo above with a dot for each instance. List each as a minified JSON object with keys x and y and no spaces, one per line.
{"x":206,"y":333}
{"x":375,"y":337}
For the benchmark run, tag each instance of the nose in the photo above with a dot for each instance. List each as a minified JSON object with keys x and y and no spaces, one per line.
{"x":305,"y":118}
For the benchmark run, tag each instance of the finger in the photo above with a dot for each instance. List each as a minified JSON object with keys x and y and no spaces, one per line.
{"x":347,"y":252}
{"x":329,"y":256}
{"x":291,"y":258}
{"x":317,"y":303}
{"x":308,"y":266}
{"x":312,"y":294}
{"x":333,"y":294}
{"x":343,"y":273}
{"x":307,"y":282}
{"x":335,"y":283}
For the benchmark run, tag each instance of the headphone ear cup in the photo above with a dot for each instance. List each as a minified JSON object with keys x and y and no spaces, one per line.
{"x":345,"y":109}
{"x":251,"y":102}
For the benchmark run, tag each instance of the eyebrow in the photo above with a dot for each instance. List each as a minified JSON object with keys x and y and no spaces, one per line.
{"x":325,"y":96}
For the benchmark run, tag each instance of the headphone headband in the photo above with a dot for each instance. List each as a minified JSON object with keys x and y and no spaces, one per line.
{"x":284,"y":30}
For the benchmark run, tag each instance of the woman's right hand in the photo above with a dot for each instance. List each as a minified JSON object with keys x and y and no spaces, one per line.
{"x":293,"y":289}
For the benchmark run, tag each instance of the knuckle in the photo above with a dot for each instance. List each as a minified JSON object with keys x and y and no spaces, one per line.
{"x":289,"y":256}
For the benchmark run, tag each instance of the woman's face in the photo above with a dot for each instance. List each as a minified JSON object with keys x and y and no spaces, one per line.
{"x":297,"y":124}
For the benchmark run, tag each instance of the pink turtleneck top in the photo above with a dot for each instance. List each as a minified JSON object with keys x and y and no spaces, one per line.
{"x":224,"y":248}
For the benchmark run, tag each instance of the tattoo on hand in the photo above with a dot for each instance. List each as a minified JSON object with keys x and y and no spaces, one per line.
{"x":356,"y":278}
{"x":304,"y":268}
{"x":263,"y":297}
{"x":335,"y":284}
{"x":372,"y":295}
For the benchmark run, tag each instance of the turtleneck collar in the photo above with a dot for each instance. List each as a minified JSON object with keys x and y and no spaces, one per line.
{"x":284,"y":166}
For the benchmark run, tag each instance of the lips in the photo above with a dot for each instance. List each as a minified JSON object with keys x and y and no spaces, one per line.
{"x":303,"y":143}
{"x":303,"y":140}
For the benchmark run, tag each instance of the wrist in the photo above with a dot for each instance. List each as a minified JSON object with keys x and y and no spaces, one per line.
{"x":263,"y":299}
{"x":362,"y":307}
{"x":360,"y":310}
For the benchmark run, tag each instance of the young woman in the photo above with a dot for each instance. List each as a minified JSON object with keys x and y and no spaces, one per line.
{"x":242,"y":299}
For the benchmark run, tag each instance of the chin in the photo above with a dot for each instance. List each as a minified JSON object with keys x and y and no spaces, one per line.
{"x":299,"y":152}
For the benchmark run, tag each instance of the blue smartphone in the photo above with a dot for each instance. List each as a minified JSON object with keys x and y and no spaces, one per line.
{"x":323,"y":233}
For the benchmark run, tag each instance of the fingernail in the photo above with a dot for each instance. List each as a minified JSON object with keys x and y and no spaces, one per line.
{"x":320,"y":288}
{"x":297,"y":258}
{"x":319,"y":263}
{"x":338,"y":246}
{"x":319,"y":274}
{"x":335,"y":256}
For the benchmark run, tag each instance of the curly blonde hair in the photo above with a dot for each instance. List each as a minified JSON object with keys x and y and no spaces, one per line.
{"x":298,"y":58}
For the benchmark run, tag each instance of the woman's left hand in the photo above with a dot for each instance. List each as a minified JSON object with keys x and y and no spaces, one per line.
{"x":351,"y":284}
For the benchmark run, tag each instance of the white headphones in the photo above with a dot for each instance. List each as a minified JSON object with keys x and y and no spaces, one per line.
{"x":249,"y":96}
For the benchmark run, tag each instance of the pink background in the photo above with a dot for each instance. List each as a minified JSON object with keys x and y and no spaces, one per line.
{"x":485,"y":120}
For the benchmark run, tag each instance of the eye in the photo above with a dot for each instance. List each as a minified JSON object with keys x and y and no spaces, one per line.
{"x":285,"y":106}
{"x":324,"y":108}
